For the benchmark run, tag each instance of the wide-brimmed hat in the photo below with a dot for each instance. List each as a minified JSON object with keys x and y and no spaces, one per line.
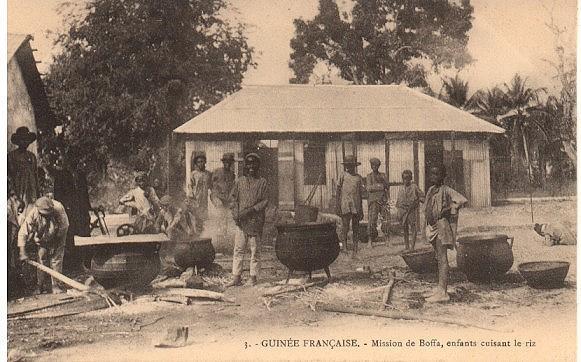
{"x":375,"y":161}
{"x":252,"y":157}
{"x":350,"y":160}
{"x":228,"y":157}
{"x":44,"y":205}
{"x":23,"y":134}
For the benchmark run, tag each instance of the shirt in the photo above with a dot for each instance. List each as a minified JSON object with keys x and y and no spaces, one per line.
{"x":142,"y":201}
{"x":441,"y":202}
{"x":249,"y":193}
{"x":222,"y":183}
{"x":376,"y":186}
{"x":349,"y":194}
{"x":49,"y":229}
{"x":409,"y":197}
{"x":200,"y":183}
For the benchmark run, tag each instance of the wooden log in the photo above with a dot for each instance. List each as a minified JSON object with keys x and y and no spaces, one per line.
{"x":401,"y":315}
{"x":320,"y":283}
{"x":194,"y":293}
{"x":68,"y":281}
{"x":387,"y":293}
{"x":42,"y":307}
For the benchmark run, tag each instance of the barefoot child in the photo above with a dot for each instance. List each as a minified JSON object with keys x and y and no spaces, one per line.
{"x":408,"y":201}
{"x":442,"y":205}
{"x":349,"y":201}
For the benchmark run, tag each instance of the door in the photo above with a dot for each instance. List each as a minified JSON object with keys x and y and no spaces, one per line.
{"x":433,"y":156}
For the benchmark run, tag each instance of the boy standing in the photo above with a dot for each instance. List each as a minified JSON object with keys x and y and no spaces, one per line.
{"x":408,"y":201}
{"x":376,"y":185}
{"x":349,"y":201}
{"x":248,"y":202}
{"x":442,"y":205}
{"x":200,"y":184}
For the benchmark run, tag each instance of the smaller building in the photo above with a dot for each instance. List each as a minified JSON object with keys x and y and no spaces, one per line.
{"x":303,"y":132}
{"x":27,"y":104}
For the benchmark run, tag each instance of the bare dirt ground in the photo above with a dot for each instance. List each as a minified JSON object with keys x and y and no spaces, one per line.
{"x":503,"y":311}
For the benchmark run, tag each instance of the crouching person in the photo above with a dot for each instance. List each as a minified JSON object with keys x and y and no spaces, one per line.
{"x":45,"y":226}
{"x":442,"y":205}
{"x":248,"y":201}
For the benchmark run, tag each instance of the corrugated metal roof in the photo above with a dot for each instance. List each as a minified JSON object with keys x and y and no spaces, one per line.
{"x":14,"y":42}
{"x":333,"y":108}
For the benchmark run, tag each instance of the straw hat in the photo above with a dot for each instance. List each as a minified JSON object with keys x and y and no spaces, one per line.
{"x":44,"y":205}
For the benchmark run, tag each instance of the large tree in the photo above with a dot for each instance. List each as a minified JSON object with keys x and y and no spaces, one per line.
{"x":383,"y":41}
{"x":132,"y":70}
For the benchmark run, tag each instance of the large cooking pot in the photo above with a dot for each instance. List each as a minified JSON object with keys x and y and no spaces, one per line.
{"x":484,"y":257}
{"x":124,"y":265}
{"x":198,"y":252}
{"x":307,"y":247}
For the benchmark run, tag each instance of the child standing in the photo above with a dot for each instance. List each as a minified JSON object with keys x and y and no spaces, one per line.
{"x":376,"y":185}
{"x":442,"y":205}
{"x":408,"y":201}
{"x":349,"y":201}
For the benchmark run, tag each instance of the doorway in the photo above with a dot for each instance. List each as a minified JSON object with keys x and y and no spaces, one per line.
{"x":433,"y":156}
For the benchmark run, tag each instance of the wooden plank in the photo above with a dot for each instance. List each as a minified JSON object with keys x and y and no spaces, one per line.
{"x":109,"y":239}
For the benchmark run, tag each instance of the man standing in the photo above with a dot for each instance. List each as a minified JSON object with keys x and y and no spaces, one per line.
{"x":349,"y":201}
{"x":46,"y":226}
{"x":377,"y":185}
{"x":22,"y":166}
{"x":222,"y":183}
{"x":442,"y":207}
{"x":248,"y":202}
{"x":200,"y":184}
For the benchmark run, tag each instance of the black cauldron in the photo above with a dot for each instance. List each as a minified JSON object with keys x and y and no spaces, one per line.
{"x":198,"y":252}
{"x":125,"y":264}
{"x":307,"y":247}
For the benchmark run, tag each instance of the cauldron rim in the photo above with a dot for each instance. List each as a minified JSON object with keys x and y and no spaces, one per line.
{"x":551,"y":265}
{"x":195,"y":240}
{"x":304,"y":225}
{"x":482,"y":238}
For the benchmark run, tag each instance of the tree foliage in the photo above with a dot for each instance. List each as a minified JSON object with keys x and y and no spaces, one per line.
{"x":381,"y":41}
{"x":132,"y":70}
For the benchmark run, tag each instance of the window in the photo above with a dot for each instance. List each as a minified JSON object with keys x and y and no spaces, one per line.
{"x":315,"y":170}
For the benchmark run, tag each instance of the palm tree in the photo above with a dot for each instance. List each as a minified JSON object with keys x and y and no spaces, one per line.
{"x":456,"y":93}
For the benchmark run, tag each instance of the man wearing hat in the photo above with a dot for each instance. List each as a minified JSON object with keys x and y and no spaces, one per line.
{"x":248,"y":202}
{"x":145,"y":201}
{"x":200,"y":184}
{"x":349,"y":201}
{"x":376,"y":184}
{"x":222,"y":183}
{"x":45,"y":227}
{"x":22,"y":166}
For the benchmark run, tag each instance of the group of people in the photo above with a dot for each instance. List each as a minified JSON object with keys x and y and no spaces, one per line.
{"x":441,"y":205}
{"x":39,"y":226}
{"x":245,"y":198}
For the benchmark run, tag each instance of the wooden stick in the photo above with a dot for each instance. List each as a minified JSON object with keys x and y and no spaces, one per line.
{"x":68,"y":281}
{"x":194,"y":293}
{"x":298,"y":287}
{"x":388,"y":289}
{"x":400,"y":315}
{"x":24,"y":312}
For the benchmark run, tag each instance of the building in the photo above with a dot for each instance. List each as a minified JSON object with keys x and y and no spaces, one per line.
{"x":27,"y":102}
{"x":304,"y":131}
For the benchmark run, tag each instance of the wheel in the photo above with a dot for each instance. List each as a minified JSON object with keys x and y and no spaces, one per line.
{"x":125,"y":229}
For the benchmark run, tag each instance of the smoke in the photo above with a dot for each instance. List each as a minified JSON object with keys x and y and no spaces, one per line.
{"x":220,"y":227}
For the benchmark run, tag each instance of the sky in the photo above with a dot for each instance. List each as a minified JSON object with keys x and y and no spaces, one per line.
{"x":508,"y":36}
